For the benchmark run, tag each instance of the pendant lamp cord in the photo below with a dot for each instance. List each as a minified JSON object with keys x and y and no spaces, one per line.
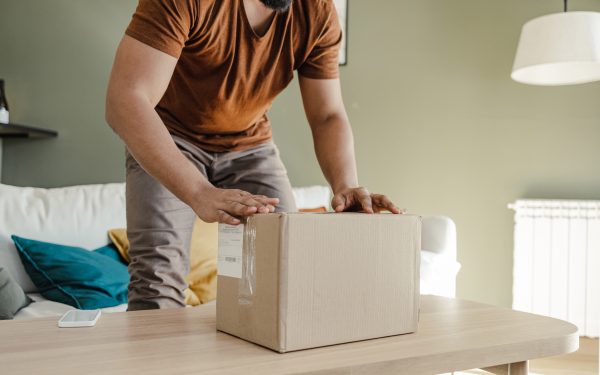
{"x":566,"y":1}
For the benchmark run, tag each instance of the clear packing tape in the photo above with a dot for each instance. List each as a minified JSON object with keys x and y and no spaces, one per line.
{"x":247,"y":285}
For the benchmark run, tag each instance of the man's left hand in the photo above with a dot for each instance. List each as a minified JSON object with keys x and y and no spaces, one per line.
{"x":359,"y":199}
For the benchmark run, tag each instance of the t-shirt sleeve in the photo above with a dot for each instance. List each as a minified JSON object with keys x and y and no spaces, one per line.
{"x":323,"y":59}
{"x":163,"y":24}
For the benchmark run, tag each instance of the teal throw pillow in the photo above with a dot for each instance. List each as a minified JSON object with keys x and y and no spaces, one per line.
{"x":74,"y":276}
{"x":111,"y":252}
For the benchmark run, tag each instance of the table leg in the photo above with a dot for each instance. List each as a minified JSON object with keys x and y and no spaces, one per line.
{"x":497,"y":370}
{"x":517,"y":368}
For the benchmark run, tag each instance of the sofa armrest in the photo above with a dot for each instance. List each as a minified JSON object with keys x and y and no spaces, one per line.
{"x":439,"y":235}
{"x":439,"y":266}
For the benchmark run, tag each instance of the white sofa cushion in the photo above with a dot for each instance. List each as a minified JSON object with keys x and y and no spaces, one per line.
{"x":42,"y":307}
{"x":312,"y":197}
{"x":438,"y":274}
{"x":75,"y":216}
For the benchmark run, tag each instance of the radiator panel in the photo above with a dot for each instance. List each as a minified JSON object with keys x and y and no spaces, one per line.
{"x":557,"y":261}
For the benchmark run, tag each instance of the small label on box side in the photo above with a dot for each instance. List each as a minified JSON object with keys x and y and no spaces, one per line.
{"x":231,"y":242}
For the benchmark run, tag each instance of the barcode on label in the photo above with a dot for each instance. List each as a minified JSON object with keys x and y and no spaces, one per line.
{"x":231,"y":259}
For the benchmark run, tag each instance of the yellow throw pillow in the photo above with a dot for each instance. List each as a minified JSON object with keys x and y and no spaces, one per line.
{"x":119,"y":239}
{"x":202,"y":279}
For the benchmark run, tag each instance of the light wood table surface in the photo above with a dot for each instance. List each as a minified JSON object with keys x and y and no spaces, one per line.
{"x":453,"y":335}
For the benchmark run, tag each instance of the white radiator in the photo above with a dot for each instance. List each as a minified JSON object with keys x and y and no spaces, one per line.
{"x":557,"y":261}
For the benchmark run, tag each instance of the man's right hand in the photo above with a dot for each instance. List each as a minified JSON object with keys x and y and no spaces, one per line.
{"x":228,"y":206}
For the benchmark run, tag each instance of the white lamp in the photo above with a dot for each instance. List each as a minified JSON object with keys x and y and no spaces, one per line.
{"x":559,"y":49}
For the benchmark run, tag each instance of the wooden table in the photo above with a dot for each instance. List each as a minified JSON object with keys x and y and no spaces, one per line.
{"x":453,"y":335}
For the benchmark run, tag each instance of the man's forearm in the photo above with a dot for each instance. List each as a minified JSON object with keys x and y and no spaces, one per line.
{"x":334,"y":146}
{"x":148,"y":140}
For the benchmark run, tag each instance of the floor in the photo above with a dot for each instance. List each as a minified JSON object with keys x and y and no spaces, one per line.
{"x":582,"y":362}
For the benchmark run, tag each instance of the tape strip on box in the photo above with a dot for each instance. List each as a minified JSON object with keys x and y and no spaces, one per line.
{"x":247,"y":285}
{"x":236,"y":257}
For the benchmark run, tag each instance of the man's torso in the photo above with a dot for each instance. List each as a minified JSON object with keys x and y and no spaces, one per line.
{"x":227,"y":76}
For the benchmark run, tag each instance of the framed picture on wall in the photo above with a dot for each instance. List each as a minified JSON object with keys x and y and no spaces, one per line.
{"x":342,"y":9}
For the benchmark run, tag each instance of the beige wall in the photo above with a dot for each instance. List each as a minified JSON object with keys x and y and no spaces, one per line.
{"x":439,"y":125}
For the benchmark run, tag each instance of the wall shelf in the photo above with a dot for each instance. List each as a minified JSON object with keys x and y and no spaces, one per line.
{"x":22,"y":131}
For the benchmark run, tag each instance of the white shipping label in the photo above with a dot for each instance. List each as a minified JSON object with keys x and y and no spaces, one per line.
{"x":231,"y":242}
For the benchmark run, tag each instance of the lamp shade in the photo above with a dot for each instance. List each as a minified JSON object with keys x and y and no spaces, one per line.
{"x":559,"y":49}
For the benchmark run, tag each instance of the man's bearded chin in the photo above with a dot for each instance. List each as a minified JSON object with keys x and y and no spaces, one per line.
{"x":277,"y":5}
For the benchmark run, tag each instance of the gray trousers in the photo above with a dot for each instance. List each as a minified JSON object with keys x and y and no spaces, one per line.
{"x":159,"y":225}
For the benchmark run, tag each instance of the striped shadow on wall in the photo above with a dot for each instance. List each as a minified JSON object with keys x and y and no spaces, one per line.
{"x":557,"y":261}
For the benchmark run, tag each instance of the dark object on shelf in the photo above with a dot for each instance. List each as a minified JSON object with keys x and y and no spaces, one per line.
{"x":3,"y":104}
{"x":22,"y":131}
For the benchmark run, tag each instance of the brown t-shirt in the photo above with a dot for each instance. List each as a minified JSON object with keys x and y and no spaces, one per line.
{"x":227,"y":76}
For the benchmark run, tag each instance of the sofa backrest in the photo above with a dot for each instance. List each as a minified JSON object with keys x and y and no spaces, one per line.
{"x":75,"y":216}
{"x":82,"y":215}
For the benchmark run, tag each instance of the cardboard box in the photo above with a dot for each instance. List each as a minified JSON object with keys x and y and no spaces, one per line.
{"x":297,"y":281}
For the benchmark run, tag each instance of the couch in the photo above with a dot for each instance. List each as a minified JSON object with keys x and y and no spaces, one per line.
{"x":82,"y":215}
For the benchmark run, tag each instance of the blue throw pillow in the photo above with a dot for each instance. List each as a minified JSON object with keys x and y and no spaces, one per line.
{"x":74,"y":276}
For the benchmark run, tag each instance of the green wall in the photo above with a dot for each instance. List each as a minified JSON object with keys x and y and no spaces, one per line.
{"x":439,"y":125}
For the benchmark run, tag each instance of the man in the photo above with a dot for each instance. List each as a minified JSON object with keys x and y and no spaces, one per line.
{"x":189,"y":93}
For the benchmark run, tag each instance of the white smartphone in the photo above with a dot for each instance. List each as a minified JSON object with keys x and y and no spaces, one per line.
{"x":79,"y":318}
